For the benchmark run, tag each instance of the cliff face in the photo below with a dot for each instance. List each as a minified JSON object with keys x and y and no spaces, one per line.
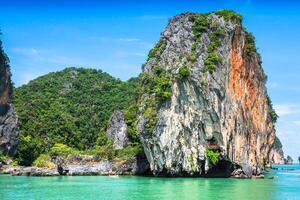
{"x":205,"y":109}
{"x":117,"y":130}
{"x":9,"y":132}
{"x":278,"y":155}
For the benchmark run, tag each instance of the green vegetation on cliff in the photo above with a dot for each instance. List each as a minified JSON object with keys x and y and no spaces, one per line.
{"x":69,"y":107}
{"x":184,"y":72}
{"x":229,"y":15}
{"x":251,"y":49}
{"x":2,"y":157}
{"x":157,"y":86}
{"x":212,"y":156}
{"x":158,"y":49}
{"x":272,"y":113}
{"x":277,"y":143}
{"x":202,"y":24}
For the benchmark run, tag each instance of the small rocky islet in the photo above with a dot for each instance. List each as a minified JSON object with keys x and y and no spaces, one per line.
{"x":199,"y":108}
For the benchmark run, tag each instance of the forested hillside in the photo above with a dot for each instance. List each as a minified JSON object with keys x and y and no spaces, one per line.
{"x":71,"y":107}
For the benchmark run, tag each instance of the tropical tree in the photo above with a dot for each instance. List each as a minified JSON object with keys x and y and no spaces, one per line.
{"x":289,"y":160}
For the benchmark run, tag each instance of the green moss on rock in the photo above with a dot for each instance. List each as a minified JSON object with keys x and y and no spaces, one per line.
{"x":158,"y":49}
{"x":184,"y":72}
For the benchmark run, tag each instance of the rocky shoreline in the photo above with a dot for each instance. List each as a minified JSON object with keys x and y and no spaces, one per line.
{"x":104,"y":167}
{"x":92,"y":171}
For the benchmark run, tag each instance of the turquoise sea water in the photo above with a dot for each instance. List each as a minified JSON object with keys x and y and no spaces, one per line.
{"x":285,"y":185}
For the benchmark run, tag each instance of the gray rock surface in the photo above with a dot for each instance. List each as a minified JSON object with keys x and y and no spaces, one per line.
{"x":83,"y":165}
{"x":226,"y":109}
{"x":9,"y":131}
{"x":29,"y":171}
{"x":117,"y":130}
{"x":91,"y":165}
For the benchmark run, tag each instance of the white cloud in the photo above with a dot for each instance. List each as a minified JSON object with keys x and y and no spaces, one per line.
{"x":128,"y":54}
{"x":130,"y":39}
{"x":287,"y":109}
{"x":153,"y":17}
{"x":273,"y":85}
{"x":64,"y":60}
{"x":40,"y":57}
{"x":26,"y":51}
{"x":24,"y":78}
{"x":112,"y":39}
{"x":125,"y":41}
{"x":297,"y":123}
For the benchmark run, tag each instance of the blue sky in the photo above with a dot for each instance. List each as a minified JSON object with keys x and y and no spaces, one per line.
{"x":115,"y":36}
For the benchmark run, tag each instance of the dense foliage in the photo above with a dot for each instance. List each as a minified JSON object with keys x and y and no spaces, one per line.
{"x":272,"y":113}
{"x":158,"y":49}
{"x":277,"y":143}
{"x":157,"y":87}
{"x":212,"y":156}
{"x":251,"y":49}
{"x":104,"y":152}
{"x":230,"y":15}
{"x":158,"y":84}
{"x":289,"y":159}
{"x":2,"y":157}
{"x":43,"y":161}
{"x":201,"y":25}
{"x":184,"y":72}
{"x":69,"y":107}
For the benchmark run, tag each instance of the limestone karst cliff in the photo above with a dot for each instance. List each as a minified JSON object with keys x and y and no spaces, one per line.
{"x":205,"y":109}
{"x":117,"y":130}
{"x":9,"y":131}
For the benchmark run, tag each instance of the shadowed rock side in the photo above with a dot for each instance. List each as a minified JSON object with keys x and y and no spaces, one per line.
{"x":278,"y":155}
{"x":216,"y":120}
{"x":9,"y":131}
